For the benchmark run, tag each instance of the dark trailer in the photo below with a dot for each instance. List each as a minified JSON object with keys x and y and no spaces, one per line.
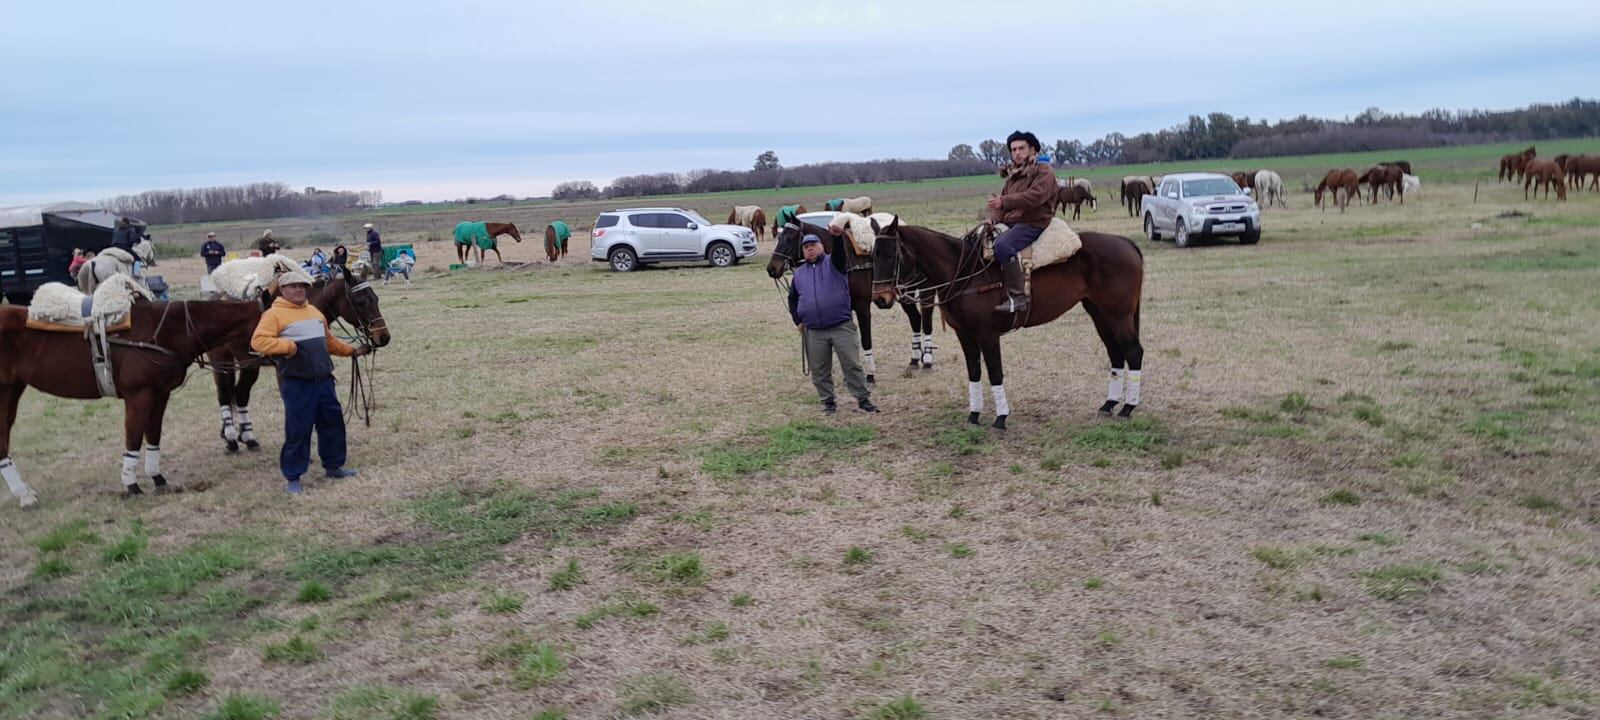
{"x":36,"y":243}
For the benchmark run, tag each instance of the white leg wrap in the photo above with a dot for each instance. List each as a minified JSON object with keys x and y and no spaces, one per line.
{"x":927,"y":350}
{"x":152,"y":460}
{"x":870,"y":362}
{"x":130,"y":463}
{"x":1002,"y":408}
{"x":975,"y":397}
{"x":229,"y":432}
{"x":1133,"y":387}
{"x":1114,"y":393}
{"x":246,"y":430}
{"x":14,"y":483}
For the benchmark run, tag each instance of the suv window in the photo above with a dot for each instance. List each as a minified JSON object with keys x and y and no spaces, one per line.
{"x":606,"y":221}
{"x":672,"y":221}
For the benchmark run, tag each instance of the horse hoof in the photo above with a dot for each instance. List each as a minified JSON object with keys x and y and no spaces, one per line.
{"x":999,"y":422}
{"x":252,"y":445}
{"x":872,"y":379}
{"x":1105,"y":410}
{"x":1127,"y":412}
{"x":927,"y":366}
{"x":132,"y":490}
{"x":972,"y":418}
{"x":233,"y":445}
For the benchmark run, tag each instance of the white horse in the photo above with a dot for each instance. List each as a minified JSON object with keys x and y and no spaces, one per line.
{"x":1410,"y":184}
{"x":1269,"y":189}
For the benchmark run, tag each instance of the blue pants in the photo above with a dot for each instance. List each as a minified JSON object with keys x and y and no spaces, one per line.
{"x":1013,"y":240}
{"x":309,"y":404}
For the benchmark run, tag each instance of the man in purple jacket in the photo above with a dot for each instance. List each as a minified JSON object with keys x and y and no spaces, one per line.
{"x":819,"y":302}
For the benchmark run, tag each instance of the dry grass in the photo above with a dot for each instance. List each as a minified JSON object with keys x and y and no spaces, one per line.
{"x":1206,"y":561}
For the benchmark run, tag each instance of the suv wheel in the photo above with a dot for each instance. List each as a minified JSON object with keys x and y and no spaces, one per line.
{"x":1250,"y":238}
{"x":1180,"y":235}
{"x":721,"y":255}
{"x":623,"y":260}
{"x":1150,"y":228}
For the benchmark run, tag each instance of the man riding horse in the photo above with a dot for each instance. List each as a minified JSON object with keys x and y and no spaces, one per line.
{"x":1026,"y":204}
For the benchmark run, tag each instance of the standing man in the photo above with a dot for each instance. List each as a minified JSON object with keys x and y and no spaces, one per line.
{"x":1026,"y":204}
{"x":213,"y":252}
{"x":268,"y":244}
{"x":297,"y":335}
{"x":819,"y":303}
{"x":374,"y":248}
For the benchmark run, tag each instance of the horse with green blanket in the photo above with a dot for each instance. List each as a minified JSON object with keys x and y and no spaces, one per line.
{"x":556,"y":235}
{"x":481,"y":236}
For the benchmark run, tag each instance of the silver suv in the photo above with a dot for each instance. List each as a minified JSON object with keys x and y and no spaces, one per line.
{"x":629,"y":238}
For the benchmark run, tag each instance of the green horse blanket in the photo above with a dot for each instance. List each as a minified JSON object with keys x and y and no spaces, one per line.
{"x":786,"y":215}
{"x":468,"y":233}
{"x":562,"y":233}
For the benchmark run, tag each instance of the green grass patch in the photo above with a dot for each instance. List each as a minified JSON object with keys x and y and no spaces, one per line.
{"x":186,"y":681}
{"x":51,"y":568}
{"x":382,"y":702}
{"x":742,"y":601}
{"x":66,"y":535}
{"x":568,"y":577}
{"x":314,"y":591}
{"x":1510,"y":426}
{"x":857,"y":555}
{"x":1282,"y":558}
{"x":1251,"y":414}
{"x":1294,"y":403}
{"x":1369,"y":414}
{"x":651,"y":693}
{"x":1093,"y":584}
{"x":126,"y":549}
{"x":1401,"y":582}
{"x":1346,"y":662}
{"x":244,"y":707}
{"x":1137,"y":435}
{"x":297,"y":651}
{"x":1380,"y":539}
{"x":1540,"y":503}
{"x":1341,"y":496}
{"x":904,"y":708}
{"x":965,"y":440}
{"x":626,"y":607}
{"x":959,"y":550}
{"x":1408,"y":460}
{"x":503,"y":603}
{"x":781,"y":444}
{"x":542,"y":664}
{"x":680,"y":568}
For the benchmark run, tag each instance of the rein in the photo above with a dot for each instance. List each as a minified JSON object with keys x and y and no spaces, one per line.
{"x":940,"y":291}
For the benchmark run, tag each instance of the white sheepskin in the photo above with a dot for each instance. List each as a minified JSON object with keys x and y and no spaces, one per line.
{"x":859,"y":229}
{"x":1083,"y":183}
{"x":115,"y":296}
{"x":1056,"y":244}
{"x":858,"y":205}
{"x":63,"y":304}
{"x":1410,"y":184}
{"x":745,"y":214}
{"x":245,"y":278}
{"x":56,"y":303}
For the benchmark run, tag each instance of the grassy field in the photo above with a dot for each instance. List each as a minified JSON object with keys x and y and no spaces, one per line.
{"x":1363,"y":486}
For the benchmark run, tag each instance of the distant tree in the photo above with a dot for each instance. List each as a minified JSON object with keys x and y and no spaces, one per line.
{"x":993,"y":152}
{"x":768,"y":161}
{"x":962,"y":152}
{"x":575,"y":190}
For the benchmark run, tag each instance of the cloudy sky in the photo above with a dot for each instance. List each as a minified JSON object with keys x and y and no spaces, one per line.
{"x":425,"y":99}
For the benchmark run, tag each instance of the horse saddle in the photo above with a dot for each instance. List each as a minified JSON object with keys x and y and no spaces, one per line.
{"x":61,"y":308}
{"x":1055,"y":245}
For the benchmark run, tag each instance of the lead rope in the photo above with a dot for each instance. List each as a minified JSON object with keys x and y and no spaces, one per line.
{"x":362,"y":397}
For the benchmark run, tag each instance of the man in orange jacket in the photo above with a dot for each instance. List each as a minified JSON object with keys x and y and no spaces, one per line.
{"x":296,"y":335}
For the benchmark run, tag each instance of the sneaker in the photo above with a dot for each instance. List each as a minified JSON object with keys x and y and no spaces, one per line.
{"x":830,"y":407}
{"x":294,"y":487}
{"x":342,"y":473}
{"x":866,"y":406}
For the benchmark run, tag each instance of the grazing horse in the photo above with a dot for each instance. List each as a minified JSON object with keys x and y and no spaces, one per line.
{"x":1404,"y":165}
{"x":149,"y":361}
{"x":1582,"y":166}
{"x":234,"y":369}
{"x":786,"y":214}
{"x":750,"y":216}
{"x":1106,"y":275}
{"x":556,"y":237}
{"x":1545,"y":174}
{"x":1335,"y":181}
{"x":1243,"y":179}
{"x":1133,"y":191}
{"x":482,"y":236}
{"x":1075,"y":196}
{"x":920,"y":313}
{"x":1387,"y":177}
{"x":1513,"y":165}
{"x":1269,"y":189}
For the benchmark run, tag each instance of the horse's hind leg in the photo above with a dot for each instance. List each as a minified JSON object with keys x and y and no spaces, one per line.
{"x":226,"y":382}
{"x":152,"y":440}
{"x":914,"y":316}
{"x":9,"y":397}
{"x":1114,"y":351}
{"x":241,"y":399}
{"x":135,"y":410}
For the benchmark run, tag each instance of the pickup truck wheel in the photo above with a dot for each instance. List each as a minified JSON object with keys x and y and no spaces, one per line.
{"x":1250,"y":238}
{"x":1150,"y":229}
{"x":1180,"y":235}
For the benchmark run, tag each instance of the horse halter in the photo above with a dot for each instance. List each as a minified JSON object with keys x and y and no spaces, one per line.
{"x":790,"y":259}
{"x":363,"y":325}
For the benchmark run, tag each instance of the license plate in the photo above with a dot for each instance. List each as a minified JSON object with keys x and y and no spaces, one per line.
{"x":1227,"y":227}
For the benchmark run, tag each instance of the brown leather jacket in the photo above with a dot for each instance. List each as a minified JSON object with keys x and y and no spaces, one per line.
{"x":1029,"y":195}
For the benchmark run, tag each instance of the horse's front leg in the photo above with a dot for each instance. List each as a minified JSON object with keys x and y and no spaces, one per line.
{"x":152,"y":440}
{"x":990,"y":345}
{"x":241,"y":400}
{"x":864,"y":320}
{"x":970,"y":349}
{"x":226,"y":382}
{"x":9,"y":398}
{"x":135,"y":411}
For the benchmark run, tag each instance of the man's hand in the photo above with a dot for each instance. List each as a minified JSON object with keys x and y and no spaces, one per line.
{"x":800,"y":327}
{"x":361,"y":351}
{"x":994,"y":203}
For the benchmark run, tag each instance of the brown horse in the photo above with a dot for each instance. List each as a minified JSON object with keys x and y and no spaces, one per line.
{"x":1335,"y":181}
{"x":920,"y":313}
{"x":1244,"y":179}
{"x":755,"y":218}
{"x":1106,"y":275}
{"x":1582,"y":166}
{"x":778,"y":220}
{"x":1545,"y":174}
{"x":1133,"y":192}
{"x":1385,"y":177}
{"x":149,"y":362}
{"x":557,"y":239}
{"x":234,"y":369}
{"x":1404,"y":165}
{"x":1076,"y":196}
{"x":1513,"y":165}
{"x":495,"y":230}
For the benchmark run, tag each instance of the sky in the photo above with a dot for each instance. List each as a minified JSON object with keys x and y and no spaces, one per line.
{"x":442,"y":100}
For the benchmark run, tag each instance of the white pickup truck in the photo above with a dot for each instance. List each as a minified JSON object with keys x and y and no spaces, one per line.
{"x":1195,"y":205}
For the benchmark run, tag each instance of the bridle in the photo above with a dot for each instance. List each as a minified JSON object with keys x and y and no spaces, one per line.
{"x":916,"y":281}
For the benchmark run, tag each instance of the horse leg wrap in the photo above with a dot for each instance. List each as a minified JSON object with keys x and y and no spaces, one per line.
{"x":1134,"y":378}
{"x":927,"y":351}
{"x":870,"y":362}
{"x":14,"y":483}
{"x":229,"y":432}
{"x":246,"y":430}
{"x":1114,"y":392}
{"x":975,"y":397}
{"x":916,"y":348}
{"x":1002,"y":407}
{"x":130,"y":463}
{"x":152,"y":460}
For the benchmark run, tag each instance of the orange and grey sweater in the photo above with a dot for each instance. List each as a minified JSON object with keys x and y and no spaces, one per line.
{"x":298,"y":336}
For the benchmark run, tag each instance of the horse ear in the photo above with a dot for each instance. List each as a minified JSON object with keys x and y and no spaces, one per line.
{"x":875,"y":228}
{"x":894,"y":224}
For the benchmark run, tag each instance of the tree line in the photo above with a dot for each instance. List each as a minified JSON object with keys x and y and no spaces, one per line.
{"x":770,"y":175}
{"x":238,"y":202}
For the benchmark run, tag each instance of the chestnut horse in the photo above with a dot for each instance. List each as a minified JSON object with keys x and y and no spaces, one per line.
{"x":1545,"y":174}
{"x":494,"y":230}
{"x":1386,"y":177}
{"x":557,"y":236}
{"x":1076,"y":196}
{"x":920,"y":314}
{"x":1513,"y":165}
{"x":1106,"y":275}
{"x":234,"y":371}
{"x":1581,"y":167}
{"x":149,"y":362}
{"x":1335,"y":181}
{"x":786,"y":214}
{"x":754,"y":218}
